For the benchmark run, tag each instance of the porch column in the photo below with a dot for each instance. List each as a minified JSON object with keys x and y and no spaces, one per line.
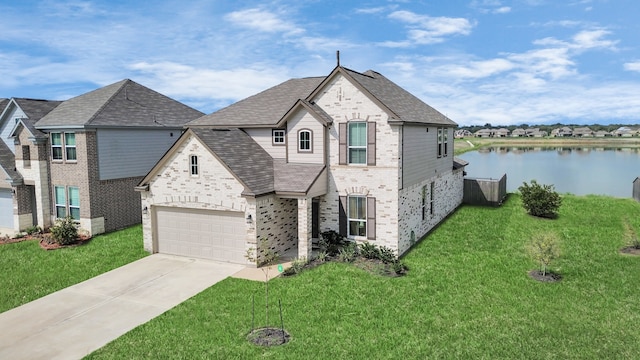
{"x":304,"y":228}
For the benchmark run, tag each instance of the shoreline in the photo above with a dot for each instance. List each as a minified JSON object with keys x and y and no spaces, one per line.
{"x":462,"y":145}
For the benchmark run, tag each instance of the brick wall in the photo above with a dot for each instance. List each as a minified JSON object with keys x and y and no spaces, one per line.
{"x":277,"y":221}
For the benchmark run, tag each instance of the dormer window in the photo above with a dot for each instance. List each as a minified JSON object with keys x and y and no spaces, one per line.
{"x":278,"y":137}
{"x":304,"y":140}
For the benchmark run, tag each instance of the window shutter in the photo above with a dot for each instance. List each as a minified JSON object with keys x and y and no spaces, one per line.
{"x":342,"y":216}
{"x":342,"y":136}
{"x":371,"y":143}
{"x":371,"y":218}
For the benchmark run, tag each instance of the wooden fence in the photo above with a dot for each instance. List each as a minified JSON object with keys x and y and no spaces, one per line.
{"x":485,"y":191}
{"x":636,"y":189}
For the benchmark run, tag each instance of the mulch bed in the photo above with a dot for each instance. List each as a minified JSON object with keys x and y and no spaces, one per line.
{"x":45,"y":240}
{"x":546,"y":277}
{"x":268,"y":336}
{"x":630,"y":250}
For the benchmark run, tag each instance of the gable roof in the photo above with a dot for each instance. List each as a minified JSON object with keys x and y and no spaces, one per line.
{"x":122,"y":104}
{"x":247,"y":160}
{"x":263,"y":109}
{"x":269,"y":107}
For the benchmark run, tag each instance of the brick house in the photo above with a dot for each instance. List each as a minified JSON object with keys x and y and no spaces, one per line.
{"x":351,"y":152}
{"x":84,"y":157}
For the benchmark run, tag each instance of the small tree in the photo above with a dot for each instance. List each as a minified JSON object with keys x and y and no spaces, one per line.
{"x":540,"y":200}
{"x":544,"y":248}
{"x":64,"y":231}
{"x":269,"y":257}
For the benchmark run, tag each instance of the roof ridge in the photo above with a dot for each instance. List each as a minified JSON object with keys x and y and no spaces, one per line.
{"x":99,"y":110}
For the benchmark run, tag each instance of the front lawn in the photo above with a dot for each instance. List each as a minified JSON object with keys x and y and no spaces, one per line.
{"x":467,"y":296}
{"x":28,"y":272}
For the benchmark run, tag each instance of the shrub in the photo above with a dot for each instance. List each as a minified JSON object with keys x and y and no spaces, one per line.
{"x":544,"y":248}
{"x":297,"y":265}
{"x":322,"y":256}
{"x":399,"y":267}
{"x":332,"y":242}
{"x":31,"y":230}
{"x":347,"y":253}
{"x":387,"y":255}
{"x":369,"y":251}
{"x":64,"y":231}
{"x":540,"y":200}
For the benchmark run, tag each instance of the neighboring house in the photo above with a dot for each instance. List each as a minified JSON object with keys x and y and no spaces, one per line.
{"x":350,"y":152}
{"x":602,"y":133}
{"x":583,"y":132}
{"x":519,"y":132}
{"x":625,"y":131}
{"x":15,"y":206}
{"x":85,"y":156}
{"x":535,"y":132}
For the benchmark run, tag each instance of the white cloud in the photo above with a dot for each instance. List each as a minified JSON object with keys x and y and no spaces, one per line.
{"x":262,"y":20}
{"x":632,"y":66}
{"x":502,"y":10}
{"x":479,"y":69}
{"x":425,"y":29}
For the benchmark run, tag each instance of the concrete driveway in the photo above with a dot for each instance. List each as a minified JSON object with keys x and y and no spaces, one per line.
{"x":76,"y":321}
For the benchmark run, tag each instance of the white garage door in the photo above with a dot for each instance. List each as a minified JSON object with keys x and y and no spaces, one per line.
{"x":6,"y":209}
{"x":214,"y":235}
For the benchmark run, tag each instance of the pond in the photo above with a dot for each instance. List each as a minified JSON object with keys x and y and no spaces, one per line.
{"x":579,"y":171}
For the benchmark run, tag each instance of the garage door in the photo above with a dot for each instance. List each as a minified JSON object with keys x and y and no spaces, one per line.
{"x":214,"y":235}
{"x":6,"y":209}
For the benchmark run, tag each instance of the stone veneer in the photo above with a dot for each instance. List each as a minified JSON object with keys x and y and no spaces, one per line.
{"x":277,"y":221}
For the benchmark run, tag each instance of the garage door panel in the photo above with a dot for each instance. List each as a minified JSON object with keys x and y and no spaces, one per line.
{"x":214,"y":235}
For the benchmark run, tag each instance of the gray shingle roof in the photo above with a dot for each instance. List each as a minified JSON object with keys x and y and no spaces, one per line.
{"x":122,"y":104}
{"x":295,"y":178}
{"x":8,"y":163}
{"x":403,"y":104}
{"x":243,"y":156}
{"x":263,"y":109}
{"x":35,"y":110}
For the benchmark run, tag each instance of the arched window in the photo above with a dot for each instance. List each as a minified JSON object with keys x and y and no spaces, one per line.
{"x":305,"y":137}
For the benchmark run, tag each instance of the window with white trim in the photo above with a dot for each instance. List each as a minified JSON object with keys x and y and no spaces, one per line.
{"x":440,"y":142}
{"x":446,"y":141}
{"x":278,"y":136}
{"x":357,"y":215}
{"x":67,"y":201}
{"x":74,"y":202}
{"x":424,"y":202}
{"x":193,"y":165}
{"x":304,"y":140}
{"x":67,"y":151}
{"x":357,"y":142}
{"x":431,"y":189}
{"x":70,"y":146}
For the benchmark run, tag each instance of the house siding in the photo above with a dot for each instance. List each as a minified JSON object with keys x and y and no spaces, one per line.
{"x":448,"y":192}
{"x":344,"y":102}
{"x":215,"y":188}
{"x":115,"y":147}
{"x":420,"y":154}
{"x":12,"y":112}
{"x":302,"y":120}
{"x":264,"y":138}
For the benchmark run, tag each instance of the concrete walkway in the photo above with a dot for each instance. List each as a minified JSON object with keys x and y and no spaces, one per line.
{"x":80,"y":319}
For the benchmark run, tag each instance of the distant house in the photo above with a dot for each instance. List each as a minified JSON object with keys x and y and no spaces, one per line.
{"x":519,"y":132}
{"x":602,"y":133}
{"x":625,"y":131}
{"x":502,"y":132}
{"x":583,"y":132}
{"x":535,"y":132}
{"x":562,"y":132}
{"x":484,"y":133}
{"x":462,"y":133}
{"x":84,"y":156}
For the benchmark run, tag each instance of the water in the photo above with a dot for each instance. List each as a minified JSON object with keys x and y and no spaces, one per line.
{"x":579,"y":171}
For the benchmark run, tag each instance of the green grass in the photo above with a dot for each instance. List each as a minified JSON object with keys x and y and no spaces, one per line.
{"x":29,"y":272}
{"x":467,"y":296}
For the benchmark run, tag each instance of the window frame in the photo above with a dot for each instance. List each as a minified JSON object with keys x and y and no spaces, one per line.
{"x":194,"y":169}
{"x":440,"y":137}
{"x":445,"y":142}
{"x":73,"y":206}
{"x":363,"y":157}
{"x":431,"y":191}
{"x":60,"y":204}
{"x":68,"y":147}
{"x":424,"y":202}
{"x":56,"y":146}
{"x":278,"y":134}
{"x":362,"y":226}
{"x":26,"y":155}
{"x":308,"y":142}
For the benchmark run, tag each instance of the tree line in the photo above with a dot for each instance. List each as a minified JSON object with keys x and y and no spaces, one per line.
{"x":547,"y":127}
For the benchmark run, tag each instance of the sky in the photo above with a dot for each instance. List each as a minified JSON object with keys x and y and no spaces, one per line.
{"x":477,"y":61}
